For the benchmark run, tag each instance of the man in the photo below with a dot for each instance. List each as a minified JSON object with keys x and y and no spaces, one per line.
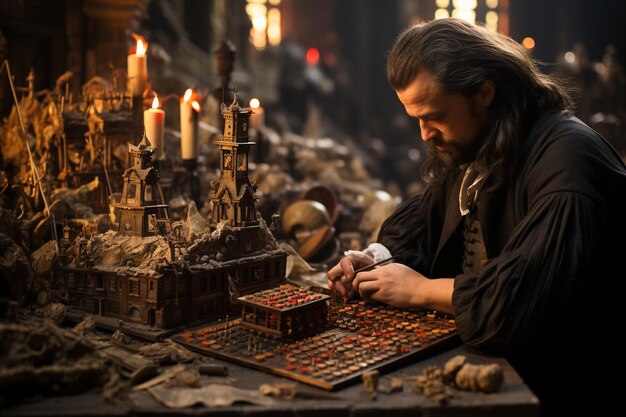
{"x":520,"y":232}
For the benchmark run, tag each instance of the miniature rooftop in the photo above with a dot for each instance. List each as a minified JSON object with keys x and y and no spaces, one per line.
{"x":283,"y":297}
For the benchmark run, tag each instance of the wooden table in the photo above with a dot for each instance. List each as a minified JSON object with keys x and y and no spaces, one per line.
{"x":513,"y":399}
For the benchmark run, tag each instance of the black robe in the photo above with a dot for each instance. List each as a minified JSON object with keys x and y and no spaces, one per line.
{"x":549,"y":298}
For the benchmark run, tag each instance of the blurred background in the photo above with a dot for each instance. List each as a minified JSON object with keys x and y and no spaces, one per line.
{"x":334,"y":152}
{"x":317,"y":66}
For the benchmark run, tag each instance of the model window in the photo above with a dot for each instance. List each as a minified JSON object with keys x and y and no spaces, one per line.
{"x":134,"y":286}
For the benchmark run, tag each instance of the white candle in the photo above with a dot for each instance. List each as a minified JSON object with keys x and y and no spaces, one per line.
{"x":189,"y":109}
{"x":154,"y":121}
{"x":257,"y":118}
{"x":138,"y":69}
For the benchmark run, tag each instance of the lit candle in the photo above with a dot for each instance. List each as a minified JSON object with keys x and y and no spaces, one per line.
{"x":138,"y":68}
{"x":154,"y":120}
{"x":257,"y":118}
{"x":189,"y":109}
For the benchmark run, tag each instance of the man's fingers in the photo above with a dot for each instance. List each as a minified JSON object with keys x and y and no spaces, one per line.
{"x":347,"y":268}
{"x":363,"y":277}
{"x":367,"y":289}
{"x":335,"y":272}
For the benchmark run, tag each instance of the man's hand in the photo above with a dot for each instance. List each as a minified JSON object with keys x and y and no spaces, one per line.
{"x":341,"y":275}
{"x":400,"y":286}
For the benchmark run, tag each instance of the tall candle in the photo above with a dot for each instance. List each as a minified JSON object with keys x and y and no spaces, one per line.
{"x":189,"y":109}
{"x":154,"y":121}
{"x":257,"y":118}
{"x":137,"y":65}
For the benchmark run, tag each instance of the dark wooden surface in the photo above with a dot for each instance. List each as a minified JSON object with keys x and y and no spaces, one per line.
{"x":513,"y":399}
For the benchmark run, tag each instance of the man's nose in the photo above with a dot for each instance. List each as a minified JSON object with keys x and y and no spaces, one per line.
{"x":427,"y":132}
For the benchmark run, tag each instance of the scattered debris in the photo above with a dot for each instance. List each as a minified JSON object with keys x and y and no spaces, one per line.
{"x":213,"y":370}
{"x":430,"y":384}
{"x":394,"y":385}
{"x":168,"y":352}
{"x":452,"y":367}
{"x":134,"y":367}
{"x":370,"y":383}
{"x":211,"y":395}
{"x":165,"y":376}
{"x":55,"y":312}
{"x":457,"y":372}
{"x":470,"y":377}
{"x":116,"y":387}
{"x":291,"y":390}
{"x":39,"y":358}
{"x":189,"y":378}
{"x":88,"y":325}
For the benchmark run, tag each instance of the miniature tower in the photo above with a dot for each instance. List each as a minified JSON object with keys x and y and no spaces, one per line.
{"x":65,"y":240}
{"x":233,"y":194}
{"x":140,"y":209}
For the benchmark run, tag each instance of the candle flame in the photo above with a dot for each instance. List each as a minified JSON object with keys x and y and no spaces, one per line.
{"x":155,"y":102}
{"x":195,"y":105}
{"x":142,"y":44}
{"x":188,"y":95}
{"x":255,"y":103}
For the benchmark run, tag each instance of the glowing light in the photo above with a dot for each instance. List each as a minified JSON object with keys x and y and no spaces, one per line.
{"x":155,"y":102}
{"x":274,"y":34}
{"x":257,"y":11}
{"x":257,"y":39}
{"x":441,"y":14}
{"x":528,"y":42}
{"x":142,"y":44}
{"x":259,"y":22}
{"x":465,"y":4}
{"x":464,"y":14}
{"x":312,"y":56}
{"x":442,"y":4}
{"x":188,"y":95}
{"x":492,"y":4}
{"x":570,"y":57}
{"x":254,"y":103}
{"x":274,"y":2}
{"x":253,"y":9}
{"x":195,"y":105}
{"x":491,"y":20}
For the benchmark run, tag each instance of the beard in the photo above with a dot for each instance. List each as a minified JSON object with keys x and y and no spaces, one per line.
{"x":451,"y":155}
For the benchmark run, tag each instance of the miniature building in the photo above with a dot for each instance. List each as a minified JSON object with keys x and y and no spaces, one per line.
{"x":90,"y":149}
{"x":140,"y":213}
{"x":114,"y":275}
{"x":285,"y":311}
{"x":157,"y":300}
{"x":233,"y":195}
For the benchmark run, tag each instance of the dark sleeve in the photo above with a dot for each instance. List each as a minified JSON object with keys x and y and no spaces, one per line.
{"x":406,"y":232}
{"x":534,"y":280}
{"x":537,"y":282}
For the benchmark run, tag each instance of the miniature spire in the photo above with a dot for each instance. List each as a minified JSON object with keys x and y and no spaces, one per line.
{"x":234,"y":106}
{"x":145,"y":143}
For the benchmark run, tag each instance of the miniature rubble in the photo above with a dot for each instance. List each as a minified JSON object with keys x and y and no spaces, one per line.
{"x":39,"y":358}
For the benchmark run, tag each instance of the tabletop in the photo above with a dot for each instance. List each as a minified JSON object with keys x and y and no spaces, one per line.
{"x":514,"y":398}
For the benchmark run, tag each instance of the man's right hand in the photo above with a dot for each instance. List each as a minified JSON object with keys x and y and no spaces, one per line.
{"x":341,"y":275}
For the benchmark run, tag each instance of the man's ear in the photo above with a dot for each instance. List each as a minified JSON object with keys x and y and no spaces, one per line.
{"x":485,"y":94}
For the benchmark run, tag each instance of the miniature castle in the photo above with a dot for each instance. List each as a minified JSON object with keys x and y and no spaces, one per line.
{"x":142,"y":274}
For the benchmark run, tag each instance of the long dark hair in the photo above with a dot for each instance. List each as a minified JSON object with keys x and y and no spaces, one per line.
{"x":462,"y":56}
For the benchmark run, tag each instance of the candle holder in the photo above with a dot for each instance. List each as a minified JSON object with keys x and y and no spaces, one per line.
{"x":191,"y":165}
